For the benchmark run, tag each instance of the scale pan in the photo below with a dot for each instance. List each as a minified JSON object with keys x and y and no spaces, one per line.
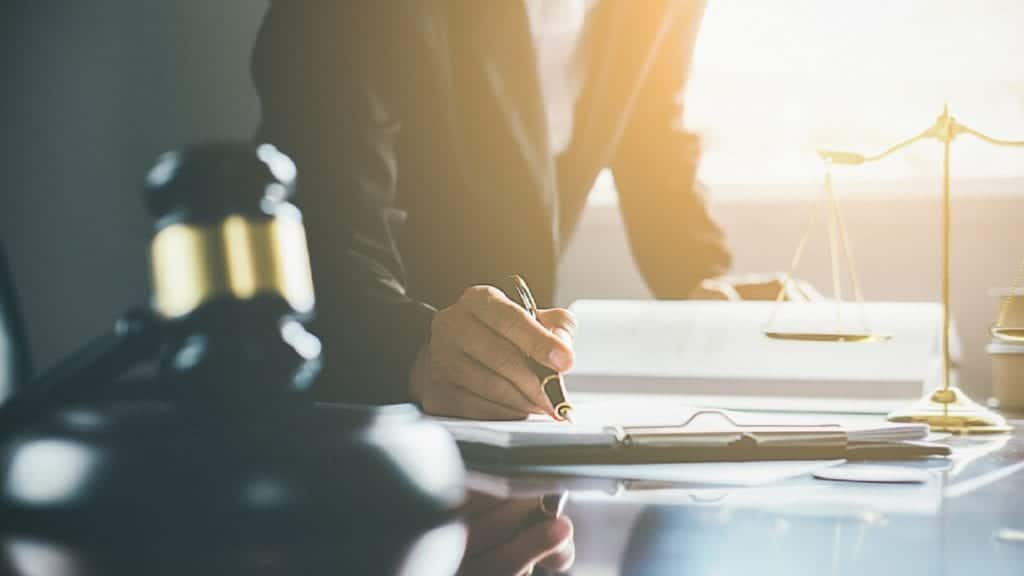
{"x":851,"y":337}
{"x":1009,"y":334}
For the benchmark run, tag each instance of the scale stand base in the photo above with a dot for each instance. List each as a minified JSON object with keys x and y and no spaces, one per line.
{"x":950,"y":410}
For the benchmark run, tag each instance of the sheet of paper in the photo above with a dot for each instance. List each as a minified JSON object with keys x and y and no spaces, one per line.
{"x":599,"y":419}
{"x":532,"y":432}
{"x":594,"y":423}
{"x":701,"y":473}
{"x":666,"y":410}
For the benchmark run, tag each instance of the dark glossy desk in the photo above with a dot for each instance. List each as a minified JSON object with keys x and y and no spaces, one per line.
{"x":968,"y":518}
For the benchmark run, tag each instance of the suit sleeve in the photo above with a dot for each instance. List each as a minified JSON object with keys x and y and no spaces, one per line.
{"x":324,"y":75}
{"x":674,"y":241}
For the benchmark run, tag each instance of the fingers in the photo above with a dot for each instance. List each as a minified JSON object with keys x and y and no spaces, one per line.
{"x":715,"y":289}
{"x":478,"y":364}
{"x":469,"y":374}
{"x":755,"y":287}
{"x":513,"y":323}
{"x":498,"y":524}
{"x":446,"y":399}
{"x":519,"y":386}
{"x":478,"y":503}
{"x":562,"y":559}
{"x":562,"y":324}
{"x":527,"y":548}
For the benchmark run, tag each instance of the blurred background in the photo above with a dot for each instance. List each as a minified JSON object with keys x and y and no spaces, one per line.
{"x":94,"y":91}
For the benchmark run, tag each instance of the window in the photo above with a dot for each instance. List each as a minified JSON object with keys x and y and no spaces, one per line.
{"x":771,"y":82}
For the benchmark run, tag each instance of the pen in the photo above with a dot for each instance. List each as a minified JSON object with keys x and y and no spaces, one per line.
{"x":550,"y":381}
{"x":550,"y":506}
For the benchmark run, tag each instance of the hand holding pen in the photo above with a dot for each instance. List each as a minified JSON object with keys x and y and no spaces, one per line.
{"x":484,"y":356}
{"x":551,"y":382}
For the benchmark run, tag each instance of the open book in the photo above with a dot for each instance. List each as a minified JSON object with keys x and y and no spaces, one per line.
{"x":716,"y":353}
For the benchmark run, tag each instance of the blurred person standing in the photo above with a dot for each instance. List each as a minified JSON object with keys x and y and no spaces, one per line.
{"x":444,"y":145}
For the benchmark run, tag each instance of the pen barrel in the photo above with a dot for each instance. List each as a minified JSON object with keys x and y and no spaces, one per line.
{"x":549,"y":507}
{"x":554,"y":389}
{"x":550,"y":381}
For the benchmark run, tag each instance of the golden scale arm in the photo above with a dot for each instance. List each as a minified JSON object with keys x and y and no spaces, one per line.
{"x":947,"y":408}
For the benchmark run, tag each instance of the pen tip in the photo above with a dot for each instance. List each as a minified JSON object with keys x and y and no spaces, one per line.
{"x":565,"y":414}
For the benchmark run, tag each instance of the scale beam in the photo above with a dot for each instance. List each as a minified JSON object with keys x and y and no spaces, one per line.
{"x":946,"y":408}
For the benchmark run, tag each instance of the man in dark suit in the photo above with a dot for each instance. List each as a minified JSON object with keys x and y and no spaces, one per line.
{"x":443,"y":145}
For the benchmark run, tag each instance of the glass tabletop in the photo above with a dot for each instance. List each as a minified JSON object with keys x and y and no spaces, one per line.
{"x":961,"y":514}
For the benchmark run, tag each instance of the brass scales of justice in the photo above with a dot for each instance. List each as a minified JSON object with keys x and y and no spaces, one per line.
{"x":946,"y":408}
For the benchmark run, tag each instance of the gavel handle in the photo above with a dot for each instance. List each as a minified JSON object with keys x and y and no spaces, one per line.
{"x":134,"y":338}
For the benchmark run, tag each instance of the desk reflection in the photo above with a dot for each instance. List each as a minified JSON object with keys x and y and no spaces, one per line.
{"x":968,"y":515}
{"x":515,"y":536}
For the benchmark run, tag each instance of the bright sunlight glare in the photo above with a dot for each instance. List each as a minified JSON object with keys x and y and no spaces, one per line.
{"x":771,"y":82}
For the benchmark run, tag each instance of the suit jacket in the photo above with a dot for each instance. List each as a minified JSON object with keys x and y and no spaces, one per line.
{"x":424,"y":167}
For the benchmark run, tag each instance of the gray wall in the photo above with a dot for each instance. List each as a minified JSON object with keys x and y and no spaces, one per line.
{"x":93,"y":91}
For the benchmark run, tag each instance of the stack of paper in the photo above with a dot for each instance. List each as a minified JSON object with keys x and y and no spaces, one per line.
{"x":719,"y":349}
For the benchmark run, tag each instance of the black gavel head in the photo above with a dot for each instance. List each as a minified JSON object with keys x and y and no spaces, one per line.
{"x":242,"y":474}
{"x":231,"y":277}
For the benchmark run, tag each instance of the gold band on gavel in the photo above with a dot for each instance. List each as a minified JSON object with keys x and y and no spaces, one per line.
{"x":236,"y":258}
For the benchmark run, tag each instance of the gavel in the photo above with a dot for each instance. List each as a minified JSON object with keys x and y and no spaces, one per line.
{"x":234,"y":468}
{"x":231,"y":282}
{"x":231,"y":292}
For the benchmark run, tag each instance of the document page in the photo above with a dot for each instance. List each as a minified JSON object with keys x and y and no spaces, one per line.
{"x":600,"y":419}
{"x":596,"y":421}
